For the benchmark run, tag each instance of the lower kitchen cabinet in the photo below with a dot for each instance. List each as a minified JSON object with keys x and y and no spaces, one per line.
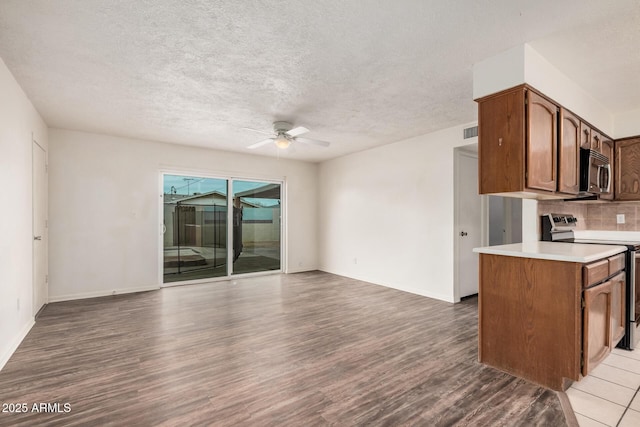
{"x":549,"y":321}
{"x":618,"y":315}
{"x":596,"y":334}
{"x":603,"y":320}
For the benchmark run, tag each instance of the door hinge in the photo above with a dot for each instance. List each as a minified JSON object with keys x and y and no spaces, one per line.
{"x":582,"y":302}
{"x":46,"y":278}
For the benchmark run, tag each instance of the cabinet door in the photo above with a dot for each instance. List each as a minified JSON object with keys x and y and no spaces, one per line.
{"x":569,"y":153}
{"x":618,"y":298}
{"x":501,"y":136}
{"x":606,"y":149}
{"x":596,"y":141}
{"x":585,"y":136}
{"x":542,"y":138}
{"x":596,"y":333}
{"x":627,"y":169}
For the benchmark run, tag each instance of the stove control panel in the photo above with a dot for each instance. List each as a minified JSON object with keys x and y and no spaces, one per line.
{"x":557,"y":226}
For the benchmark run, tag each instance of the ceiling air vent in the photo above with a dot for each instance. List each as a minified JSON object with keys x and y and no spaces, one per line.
{"x":471,"y":132}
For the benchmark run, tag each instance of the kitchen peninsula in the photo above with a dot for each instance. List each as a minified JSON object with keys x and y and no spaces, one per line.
{"x":549,"y":312}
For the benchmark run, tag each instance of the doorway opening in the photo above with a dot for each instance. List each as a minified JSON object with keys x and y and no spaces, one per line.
{"x":505,"y":220}
{"x":218,"y":227}
{"x":39,"y":227}
{"x":469,"y":228}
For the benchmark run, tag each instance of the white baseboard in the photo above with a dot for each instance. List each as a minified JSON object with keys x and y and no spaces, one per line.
{"x":411,"y":290}
{"x":301,"y":270}
{"x":102,"y":293}
{"x":16,"y":342}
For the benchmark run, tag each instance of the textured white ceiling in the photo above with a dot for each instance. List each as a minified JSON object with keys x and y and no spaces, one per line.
{"x":357,"y":73}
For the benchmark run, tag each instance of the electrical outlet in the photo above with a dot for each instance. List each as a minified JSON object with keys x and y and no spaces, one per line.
{"x":620,"y":218}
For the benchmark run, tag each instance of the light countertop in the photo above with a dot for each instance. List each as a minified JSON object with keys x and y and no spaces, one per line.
{"x":629,"y":236}
{"x":555,"y":251}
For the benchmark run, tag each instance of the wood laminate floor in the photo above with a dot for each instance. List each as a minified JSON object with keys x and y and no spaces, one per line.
{"x":308,"y":349}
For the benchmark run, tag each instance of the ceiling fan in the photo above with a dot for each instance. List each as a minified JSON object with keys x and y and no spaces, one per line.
{"x":284,"y":134}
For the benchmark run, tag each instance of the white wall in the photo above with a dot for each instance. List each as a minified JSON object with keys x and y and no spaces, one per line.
{"x":386,"y":215}
{"x":530,"y":221}
{"x":545,"y":77}
{"x":105,"y":217}
{"x":523,"y":64}
{"x":627,"y":124}
{"x":18,"y":120}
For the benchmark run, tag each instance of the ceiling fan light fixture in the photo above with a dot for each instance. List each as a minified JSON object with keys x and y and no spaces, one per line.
{"x":282,"y":141}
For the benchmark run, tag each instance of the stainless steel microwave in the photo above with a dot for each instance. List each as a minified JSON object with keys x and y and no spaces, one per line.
{"x":595,"y":172}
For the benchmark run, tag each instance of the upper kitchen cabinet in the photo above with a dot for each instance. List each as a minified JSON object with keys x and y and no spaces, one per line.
{"x":518,"y":137}
{"x":596,"y":140}
{"x":569,"y":153}
{"x":501,"y":150}
{"x":542,"y":143}
{"x":585,"y":136}
{"x":627,"y":169}
{"x":529,"y":146}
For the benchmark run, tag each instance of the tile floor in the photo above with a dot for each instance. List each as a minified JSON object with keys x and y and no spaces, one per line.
{"x":609,"y":396}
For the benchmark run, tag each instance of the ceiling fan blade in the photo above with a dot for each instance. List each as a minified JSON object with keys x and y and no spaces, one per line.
{"x":259,"y":131}
{"x":297,"y":131}
{"x":260,"y":144}
{"x":314,"y":142}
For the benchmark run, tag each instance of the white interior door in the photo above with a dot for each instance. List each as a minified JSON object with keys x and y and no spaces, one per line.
{"x":40,"y":285}
{"x":469,"y":227}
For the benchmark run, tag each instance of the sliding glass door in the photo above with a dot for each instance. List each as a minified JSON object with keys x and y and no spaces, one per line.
{"x":256,"y":226}
{"x":201,"y":234}
{"x":195,"y":228}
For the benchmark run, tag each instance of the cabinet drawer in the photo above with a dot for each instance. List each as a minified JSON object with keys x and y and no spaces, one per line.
{"x":595,"y":272}
{"x":616,"y":263}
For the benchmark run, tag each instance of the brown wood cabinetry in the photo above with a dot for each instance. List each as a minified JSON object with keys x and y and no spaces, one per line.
{"x":627,"y":169}
{"x":518,"y":134}
{"x":530,"y":318}
{"x":542,"y":142}
{"x":501,"y":151}
{"x":596,"y":339}
{"x":618,"y":315}
{"x":529,"y":146}
{"x":569,"y":153}
{"x":549,"y":321}
{"x":595,"y":272}
{"x":604,"y":311}
{"x":585,"y":136}
{"x":596,"y":140}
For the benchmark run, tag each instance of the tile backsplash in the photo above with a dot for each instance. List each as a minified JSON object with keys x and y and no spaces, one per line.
{"x":596,"y":215}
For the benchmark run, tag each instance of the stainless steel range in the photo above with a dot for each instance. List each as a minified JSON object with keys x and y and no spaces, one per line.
{"x":561,"y":228}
